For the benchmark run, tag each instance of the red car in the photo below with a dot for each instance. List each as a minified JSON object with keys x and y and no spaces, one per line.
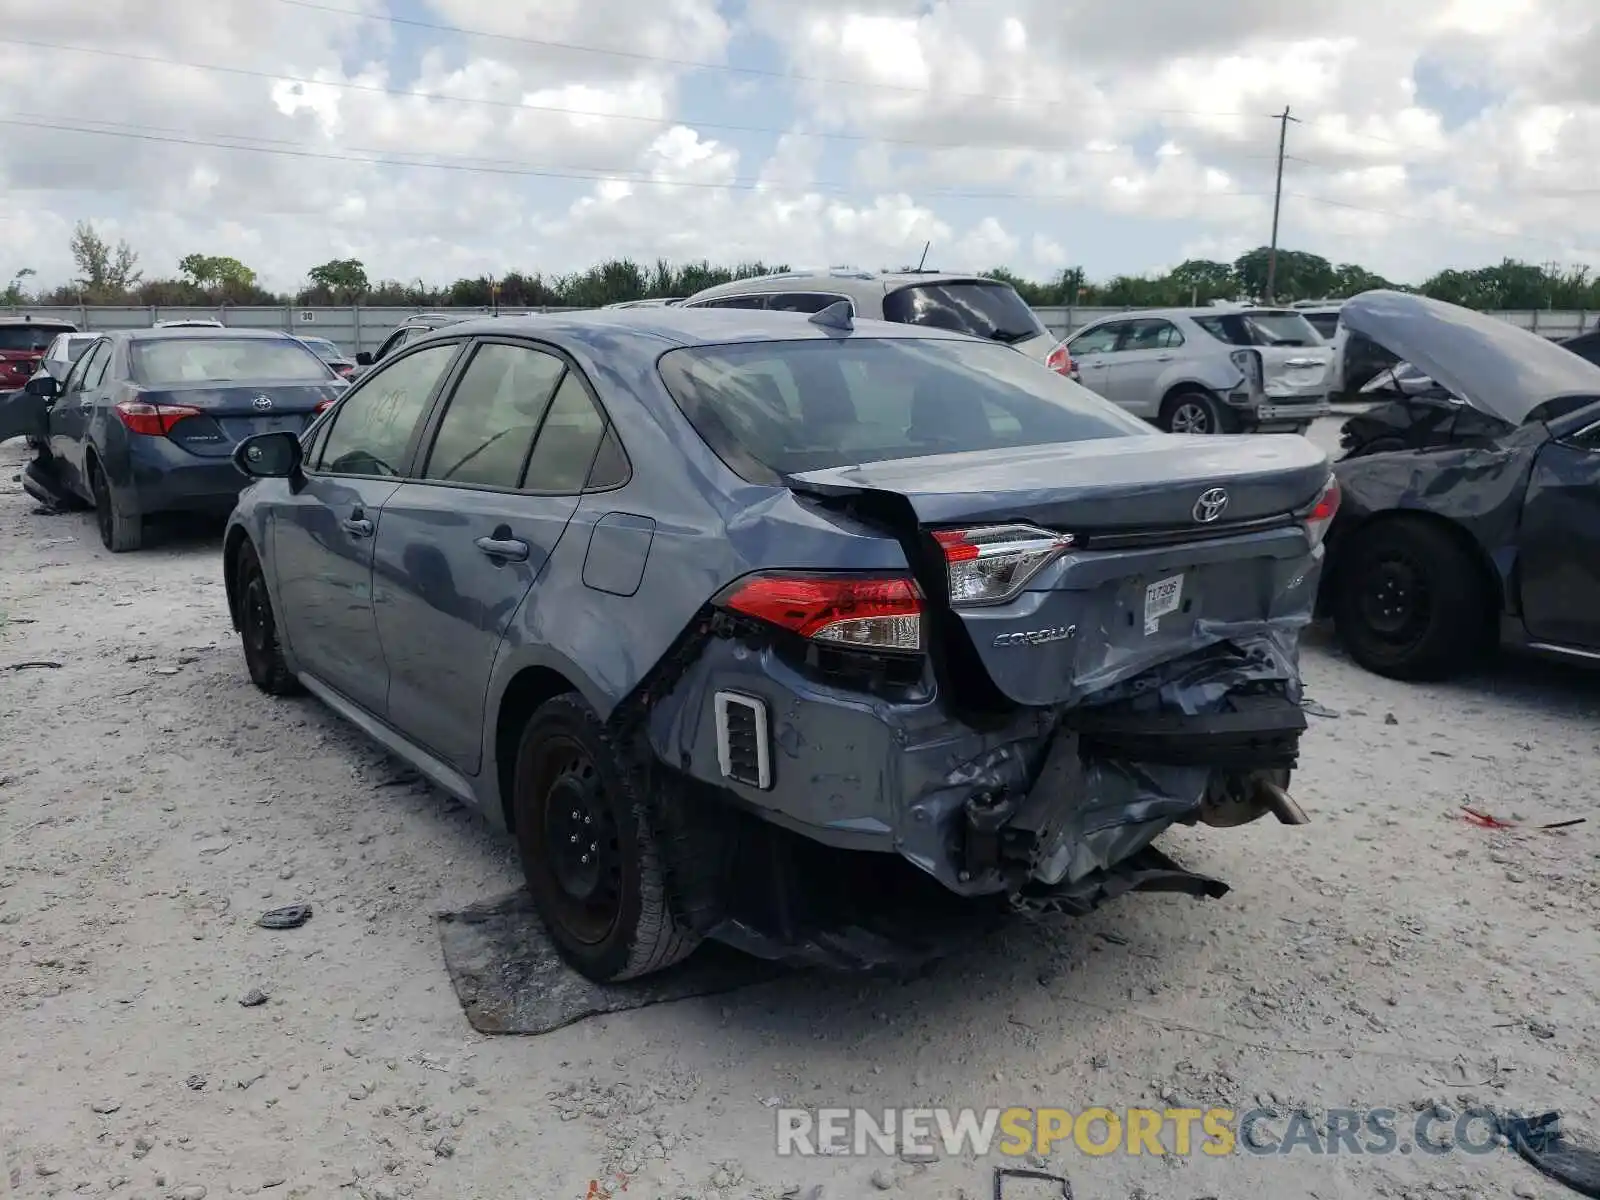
{"x":23,"y":341}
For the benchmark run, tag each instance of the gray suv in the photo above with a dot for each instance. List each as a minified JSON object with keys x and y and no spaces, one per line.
{"x":1209,"y":370}
{"x":970,"y":304}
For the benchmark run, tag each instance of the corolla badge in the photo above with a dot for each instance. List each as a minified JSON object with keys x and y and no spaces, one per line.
{"x":261,"y":403}
{"x":1210,"y":505}
{"x":1037,"y":637}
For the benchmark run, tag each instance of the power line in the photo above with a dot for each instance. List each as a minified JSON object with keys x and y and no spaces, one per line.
{"x":704,"y":64}
{"x":506,"y":167}
{"x":554,"y":110}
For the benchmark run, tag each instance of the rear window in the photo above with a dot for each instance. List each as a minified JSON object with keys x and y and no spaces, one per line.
{"x":29,"y":337}
{"x":986,"y":310}
{"x":1261,"y":328}
{"x":775,"y":408}
{"x":161,"y":361}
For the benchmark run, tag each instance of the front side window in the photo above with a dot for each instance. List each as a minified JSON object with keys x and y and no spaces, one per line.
{"x":1150,"y":334}
{"x":493,"y":416}
{"x":161,"y":362}
{"x":775,"y":408}
{"x":1102,"y":339}
{"x":374,"y":423}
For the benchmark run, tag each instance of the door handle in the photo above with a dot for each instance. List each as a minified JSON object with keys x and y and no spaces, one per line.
{"x":357,"y":526}
{"x":510,"y":549}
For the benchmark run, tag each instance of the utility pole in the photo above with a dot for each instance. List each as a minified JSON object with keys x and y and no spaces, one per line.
{"x":1283,"y":120}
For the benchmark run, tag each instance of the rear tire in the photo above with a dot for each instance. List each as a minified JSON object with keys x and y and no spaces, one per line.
{"x":589,"y":853}
{"x":258,"y":628}
{"x":1410,"y":603}
{"x":119,"y":531}
{"x":1195,"y":412}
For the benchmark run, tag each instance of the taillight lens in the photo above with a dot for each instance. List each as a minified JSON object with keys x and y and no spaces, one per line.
{"x":1060,"y":360}
{"x":991,"y":564}
{"x":152,"y":420}
{"x":325,"y":405}
{"x":1323,"y":512}
{"x":866,"y":613}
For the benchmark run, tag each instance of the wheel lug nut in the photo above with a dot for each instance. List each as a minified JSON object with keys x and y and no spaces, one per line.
{"x":574,"y":839}
{"x":584,"y":860}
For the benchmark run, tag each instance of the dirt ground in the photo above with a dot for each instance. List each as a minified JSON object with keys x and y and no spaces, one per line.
{"x":1389,"y":954}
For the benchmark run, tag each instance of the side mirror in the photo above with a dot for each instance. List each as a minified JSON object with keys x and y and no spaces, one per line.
{"x":46,"y":386}
{"x":269,"y":455}
{"x":364,"y":358}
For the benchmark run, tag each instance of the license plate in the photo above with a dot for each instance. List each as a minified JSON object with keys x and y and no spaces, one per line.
{"x":1160,"y":598}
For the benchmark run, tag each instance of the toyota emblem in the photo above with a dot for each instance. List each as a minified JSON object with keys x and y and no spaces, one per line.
{"x":263,"y":403}
{"x":1210,"y":505}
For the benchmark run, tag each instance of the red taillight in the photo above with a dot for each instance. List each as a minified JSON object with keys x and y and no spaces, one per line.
{"x":1323,"y":512}
{"x":152,"y":420}
{"x":325,"y":405}
{"x":1060,"y":360}
{"x":866,"y":613}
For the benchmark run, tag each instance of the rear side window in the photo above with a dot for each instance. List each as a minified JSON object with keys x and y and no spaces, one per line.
{"x":493,"y":415}
{"x":1326,"y":324}
{"x":568,"y":441}
{"x":373,"y":425}
{"x":80,"y":371}
{"x":801,"y":302}
{"x":96,"y":373}
{"x":735,"y":302}
{"x":160,"y":362}
{"x":986,"y":310}
{"x":1150,"y":334}
{"x":1260,"y":328}
{"x":775,"y":408}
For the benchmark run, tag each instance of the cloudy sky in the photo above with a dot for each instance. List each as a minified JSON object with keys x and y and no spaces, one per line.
{"x":441,"y":138}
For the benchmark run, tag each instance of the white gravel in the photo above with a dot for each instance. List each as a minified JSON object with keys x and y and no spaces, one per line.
{"x":153,"y":804}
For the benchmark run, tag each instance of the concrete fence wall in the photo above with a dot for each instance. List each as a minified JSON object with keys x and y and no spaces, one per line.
{"x":356,"y":327}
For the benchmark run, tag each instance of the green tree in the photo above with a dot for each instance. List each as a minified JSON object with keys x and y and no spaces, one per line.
{"x":217,"y":272}
{"x":106,"y":274}
{"x":343,"y":279}
{"x":14,"y":294}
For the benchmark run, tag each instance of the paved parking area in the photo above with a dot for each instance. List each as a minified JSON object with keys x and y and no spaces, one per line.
{"x":152,"y":804}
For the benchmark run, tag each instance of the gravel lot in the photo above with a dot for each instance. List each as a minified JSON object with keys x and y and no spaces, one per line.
{"x":153,"y":804}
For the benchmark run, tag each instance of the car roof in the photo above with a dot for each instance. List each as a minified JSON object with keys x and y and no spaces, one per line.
{"x":200,"y":333}
{"x":60,"y":325}
{"x":847,"y":281}
{"x":1137,"y":314}
{"x":657,"y":329}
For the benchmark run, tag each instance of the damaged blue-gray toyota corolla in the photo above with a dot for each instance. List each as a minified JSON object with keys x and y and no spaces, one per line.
{"x":761,"y":627}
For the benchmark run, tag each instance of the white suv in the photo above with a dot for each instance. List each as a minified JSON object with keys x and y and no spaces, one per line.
{"x":972,"y":304}
{"x":1209,"y":370}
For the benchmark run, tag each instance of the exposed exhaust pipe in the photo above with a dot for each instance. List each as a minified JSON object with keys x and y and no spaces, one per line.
{"x":1281,"y":804}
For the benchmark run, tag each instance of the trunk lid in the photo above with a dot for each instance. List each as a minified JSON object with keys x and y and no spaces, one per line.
{"x":1490,"y":364}
{"x":1176,"y":543}
{"x":227,"y":414}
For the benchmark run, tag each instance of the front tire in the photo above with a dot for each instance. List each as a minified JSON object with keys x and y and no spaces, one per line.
{"x":118,"y":531}
{"x":1409,"y":601}
{"x":589,"y":852}
{"x":258,"y":628}
{"x":1195,"y":412}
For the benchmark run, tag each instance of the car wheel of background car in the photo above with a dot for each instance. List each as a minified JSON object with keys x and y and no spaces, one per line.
{"x":258,"y":629}
{"x":588,"y":848}
{"x":1194,"y":412}
{"x":1409,"y":602}
{"x":118,"y":531}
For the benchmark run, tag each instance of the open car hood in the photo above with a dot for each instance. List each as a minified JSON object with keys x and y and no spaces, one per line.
{"x":1491,"y":364}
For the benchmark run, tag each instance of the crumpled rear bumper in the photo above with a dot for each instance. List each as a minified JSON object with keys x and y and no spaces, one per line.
{"x":1043,"y":798}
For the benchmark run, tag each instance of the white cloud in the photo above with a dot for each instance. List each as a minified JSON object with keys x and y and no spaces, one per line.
{"x":1128,"y":134}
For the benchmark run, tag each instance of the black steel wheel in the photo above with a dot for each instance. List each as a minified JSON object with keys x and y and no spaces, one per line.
{"x":258,"y":628}
{"x":119,"y":531}
{"x":1409,"y":601}
{"x":589,"y":852}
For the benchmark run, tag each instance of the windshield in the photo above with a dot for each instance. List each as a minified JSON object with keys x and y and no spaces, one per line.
{"x":28,"y":337}
{"x":163,"y":361}
{"x":1261,"y":327}
{"x":986,"y":310}
{"x":775,"y":408}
